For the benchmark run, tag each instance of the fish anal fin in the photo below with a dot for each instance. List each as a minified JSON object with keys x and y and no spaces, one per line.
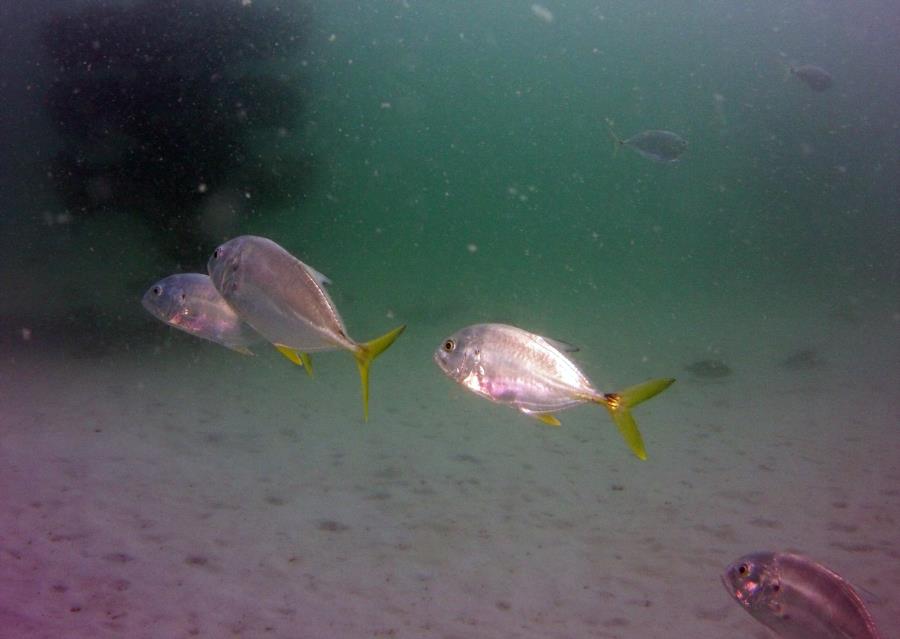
{"x":547,"y":418}
{"x":243,"y":350}
{"x":289,"y":353}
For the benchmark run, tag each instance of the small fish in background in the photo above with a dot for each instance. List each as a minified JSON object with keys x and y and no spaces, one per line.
{"x":533,"y":374}
{"x":191,"y":303}
{"x":708,"y":369}
{"x":816,"y":78}
{"x":798,"y":598}
{"x":285,"y":301}
{"x":542,"y":13}
{"x":657,"y":145}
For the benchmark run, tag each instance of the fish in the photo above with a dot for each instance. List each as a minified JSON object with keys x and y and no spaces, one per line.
{"x":533,"y":374}
{"x":191,"y":303}
{"x":657,"y":145}
{"x":798,"y":598}
{"x":816,"y":78}
{"x":286,"y":301}
{"x":709,"y":368}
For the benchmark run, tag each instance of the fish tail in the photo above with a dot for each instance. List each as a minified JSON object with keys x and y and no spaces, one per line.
{"x":364,"y":356}
{"x":619,"y":405}
{"x":615,"y":138}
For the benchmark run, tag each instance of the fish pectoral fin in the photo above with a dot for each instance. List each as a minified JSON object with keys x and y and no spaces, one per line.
{"x":298,"y":358}
{"x":547,"y":418}
{"x":365,"y":353}
{"x":563,"y":347}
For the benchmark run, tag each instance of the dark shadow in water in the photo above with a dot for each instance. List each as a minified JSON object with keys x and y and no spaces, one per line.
{"x":167,"y":110}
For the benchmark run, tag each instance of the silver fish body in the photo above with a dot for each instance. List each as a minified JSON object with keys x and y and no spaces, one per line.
{"x":278,"y":295}
{"x":511,"y":366}
{"x":660,"y":146}
{"x":285,"y":300}
{"x":798,"y":598}
{"x":533,"y":374}
{"x":657,"y":145}
{"x":191,"y":303}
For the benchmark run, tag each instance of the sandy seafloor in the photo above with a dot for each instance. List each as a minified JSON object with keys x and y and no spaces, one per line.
{"x":175,"y":489}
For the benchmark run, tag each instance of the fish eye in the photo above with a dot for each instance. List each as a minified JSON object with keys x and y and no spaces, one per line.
{"x":449,"y":345}
{"x":743,"y":569}
{"x":183,"y":296}
{"x":157,"y":290}
{"x":217,"y":253}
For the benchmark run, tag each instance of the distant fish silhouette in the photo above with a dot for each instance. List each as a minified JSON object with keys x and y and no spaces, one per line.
{"x":654,"y":144}
{"x":709,"y":368}
{"x":816,"y":78}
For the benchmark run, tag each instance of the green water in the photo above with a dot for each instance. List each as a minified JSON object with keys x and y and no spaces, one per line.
{"x":462,"y":172}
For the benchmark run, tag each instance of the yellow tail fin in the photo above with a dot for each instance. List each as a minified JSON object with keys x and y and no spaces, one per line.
{"x":364,"y":356}
{"x":618,"y":405}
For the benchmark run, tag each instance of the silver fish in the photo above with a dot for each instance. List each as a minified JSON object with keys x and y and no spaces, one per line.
{"x":660,"y":146}
{"x":190,"y":302}
{"x":285,"y":300}
{"x":531,"y":373}
{"x":798,"y":598}
{"x":816,"y":78}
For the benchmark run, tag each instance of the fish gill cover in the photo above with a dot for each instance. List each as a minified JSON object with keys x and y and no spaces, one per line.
{"x":179,"y":112}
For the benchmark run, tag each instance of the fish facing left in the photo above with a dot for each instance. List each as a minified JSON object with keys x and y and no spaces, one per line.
{"x":798,"y":598}
{"x":190,"y":302}
{"x":285,"y":301}
{"x":508,"y":365}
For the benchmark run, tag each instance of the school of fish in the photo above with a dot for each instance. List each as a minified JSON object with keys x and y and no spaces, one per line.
{"x":256,"y":291}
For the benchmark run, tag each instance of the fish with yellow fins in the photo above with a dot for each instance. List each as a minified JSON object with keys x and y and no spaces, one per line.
{"x":285,"y":301}
{"x":533,"y":374}
{"x":190,"y":302}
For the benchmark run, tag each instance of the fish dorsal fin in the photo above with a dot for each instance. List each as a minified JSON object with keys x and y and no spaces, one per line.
{"x":321,"y":279}
{"x":561,"y":346}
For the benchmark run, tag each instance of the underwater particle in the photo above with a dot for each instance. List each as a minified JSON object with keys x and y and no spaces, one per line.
{"x":542,"y":13}
{"x":472,"y":248}
{"x":709,"y":369}
{"x":25,"y":333}
{"x":797,"y":597}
